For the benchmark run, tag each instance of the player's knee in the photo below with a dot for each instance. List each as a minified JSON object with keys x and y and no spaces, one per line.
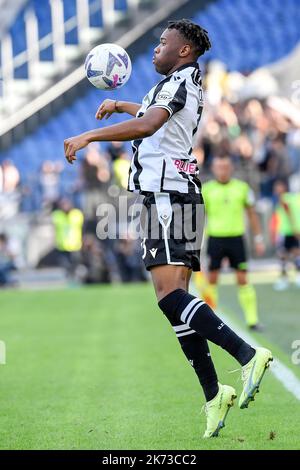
{"x":170,"y":304}
{"x":166,"y":285}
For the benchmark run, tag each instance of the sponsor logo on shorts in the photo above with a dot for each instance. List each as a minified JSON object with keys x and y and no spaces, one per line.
{"x":153,"y":252}
{"x":186,"y":167}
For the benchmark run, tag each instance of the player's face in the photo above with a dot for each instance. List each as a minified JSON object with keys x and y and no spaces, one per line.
{"x":167,"y":53}
{"x":222,"y":170}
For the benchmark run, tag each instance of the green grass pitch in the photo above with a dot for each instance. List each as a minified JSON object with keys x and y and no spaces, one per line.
{"x":100,"y":368}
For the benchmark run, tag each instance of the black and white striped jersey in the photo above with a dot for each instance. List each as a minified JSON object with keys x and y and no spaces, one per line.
{"x":164,"y":162}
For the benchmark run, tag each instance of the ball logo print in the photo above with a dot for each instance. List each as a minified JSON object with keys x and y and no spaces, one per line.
{"x":108,"y":66}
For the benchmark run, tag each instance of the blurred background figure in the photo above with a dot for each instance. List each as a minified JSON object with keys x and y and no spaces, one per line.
{"x":92,"y":264}
{"x":226,"y":200}
{"x":121,"y":167}
{"x":96,"y":175}
{"x":286,"y":232}
{"x":115,"y":150}
{"x":10,"y":177}
{"x":9,"y":189}
{"x":50,"y":183}
{"x":7,"y":264}
{"x":129,"y":262}
{"x":68,"y":224}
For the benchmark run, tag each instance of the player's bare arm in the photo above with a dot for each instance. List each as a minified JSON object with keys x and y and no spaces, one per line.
{"x":109,"y":107}
{"x":138,"y":128}
{"x":256,"y":230}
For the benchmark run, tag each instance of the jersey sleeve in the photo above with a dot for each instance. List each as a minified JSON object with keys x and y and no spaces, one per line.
{"x":171,"y":97}
{"x":249,"y":196}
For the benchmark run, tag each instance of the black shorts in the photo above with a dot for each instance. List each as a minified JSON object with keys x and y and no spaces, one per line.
{"x":232,"y":248}
{"x":290,"y":242}
{"x":172,"y":229}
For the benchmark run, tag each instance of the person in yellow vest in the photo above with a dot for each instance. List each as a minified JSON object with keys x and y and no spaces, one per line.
{"x":121,"y":166}
{"x":226,"y":201}
{"x":287,"y":216}
{"x":68,"y":223}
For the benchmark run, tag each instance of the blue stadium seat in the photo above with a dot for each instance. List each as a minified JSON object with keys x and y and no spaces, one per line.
{"x":18,"y":33}
{"x":70,"y":11}
{"x":274,"y":31}
{"x":120,"y":5}
{"x":19,"y":43}
{"x":43,"y":14}
{"x":95,"y":18}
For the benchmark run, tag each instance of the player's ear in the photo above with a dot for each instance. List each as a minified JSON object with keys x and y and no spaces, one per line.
{"x":185,"y":50}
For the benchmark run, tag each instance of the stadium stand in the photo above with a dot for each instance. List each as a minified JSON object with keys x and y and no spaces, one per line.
{"x":229,"y":23}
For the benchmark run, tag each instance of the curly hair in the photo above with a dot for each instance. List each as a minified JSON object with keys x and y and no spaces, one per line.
{"x":193,"y":33}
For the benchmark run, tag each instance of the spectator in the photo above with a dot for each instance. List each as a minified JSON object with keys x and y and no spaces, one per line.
{"x":246,"y":169}
{"x":96,"y":176}
{"x":115,"y":149}
{"x":129,"y":261}
{"x":286,"y":231}
{"x":50,"y":182}
{"x":6,"y":261}
{"x":93,"y":267}
{"x":9,"y":189}
{"x":68,"y":223}
{"x":10,"y":177}
{"x":121,"y":168}
{"x":276,"y":165}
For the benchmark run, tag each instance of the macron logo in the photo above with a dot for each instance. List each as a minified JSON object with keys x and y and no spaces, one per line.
{"x":153,"y":252}
{"x":220,"y":326}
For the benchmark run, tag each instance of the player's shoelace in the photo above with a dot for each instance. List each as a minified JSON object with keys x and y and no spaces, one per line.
{"x":245,"y":372}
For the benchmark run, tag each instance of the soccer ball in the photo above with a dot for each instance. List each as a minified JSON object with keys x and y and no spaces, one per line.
{"x":108,"y":66}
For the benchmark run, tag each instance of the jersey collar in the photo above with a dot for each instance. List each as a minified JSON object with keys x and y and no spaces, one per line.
{"x":184,"y":66}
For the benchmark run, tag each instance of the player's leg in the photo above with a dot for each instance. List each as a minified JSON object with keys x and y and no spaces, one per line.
{"x":197,"y":352}
{"x":296,"y":260}
{"x":236,"y":252}
{"x":219,"y":398}
{"x":178,"y":305}
{"x":194,"y":346}
{"x":169,"y":260}
{"x":215,"y":254}
{"x":188,"y":279}
{"x":212,"y":289}
{"x":247,"y":298}
{"x":283,"y":254}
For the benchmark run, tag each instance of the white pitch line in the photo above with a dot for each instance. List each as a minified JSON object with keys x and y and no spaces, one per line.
{"x":282,"y":373}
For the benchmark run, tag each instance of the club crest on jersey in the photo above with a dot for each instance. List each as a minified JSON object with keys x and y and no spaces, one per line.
{"x":164,"y":96}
